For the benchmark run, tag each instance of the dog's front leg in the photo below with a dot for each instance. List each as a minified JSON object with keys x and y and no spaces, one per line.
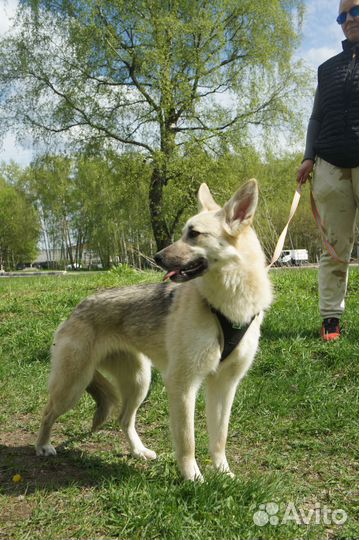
{"x":220,"y":392}
{"x":182,"y":399}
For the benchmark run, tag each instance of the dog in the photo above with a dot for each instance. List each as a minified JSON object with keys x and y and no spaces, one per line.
{"x":216,"y":284}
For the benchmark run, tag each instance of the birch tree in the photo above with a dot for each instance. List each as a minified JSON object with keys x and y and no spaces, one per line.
{"x":156,"y":76}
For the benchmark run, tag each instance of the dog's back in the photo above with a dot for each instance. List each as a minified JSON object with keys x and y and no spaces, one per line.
{"x":129,"y":308}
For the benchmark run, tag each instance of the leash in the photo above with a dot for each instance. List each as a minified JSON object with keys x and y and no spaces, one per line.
{"x":295,"y":202}
{"x":279,"y":247}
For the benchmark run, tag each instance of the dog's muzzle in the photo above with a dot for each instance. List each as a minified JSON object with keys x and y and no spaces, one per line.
{"x":180,"y":273}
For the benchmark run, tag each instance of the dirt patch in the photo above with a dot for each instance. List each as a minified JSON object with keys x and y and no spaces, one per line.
{"x":23,"y":475}
{"x":17,"y":509}
{"x":83,"y":465}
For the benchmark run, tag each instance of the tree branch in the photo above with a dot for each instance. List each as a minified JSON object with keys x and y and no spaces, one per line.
{"x":87,"y":120}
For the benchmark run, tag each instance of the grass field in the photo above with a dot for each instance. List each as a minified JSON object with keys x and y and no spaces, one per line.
{"x":292,"y":443}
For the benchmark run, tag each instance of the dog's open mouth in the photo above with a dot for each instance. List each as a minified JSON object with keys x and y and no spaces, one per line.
{"x":190,"y":271}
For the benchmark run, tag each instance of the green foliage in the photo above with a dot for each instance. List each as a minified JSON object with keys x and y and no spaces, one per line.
{"x":19,"y":221}
{"x":156,"y":76}
{"x":98,"y":203}
{"x":293,"y":434}
{"x":113,"y":194}
{"x":128,"y":274}
{"x":276,"y":178}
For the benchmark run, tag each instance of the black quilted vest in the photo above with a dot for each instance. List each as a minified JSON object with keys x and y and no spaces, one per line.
{"x":338,"y":84}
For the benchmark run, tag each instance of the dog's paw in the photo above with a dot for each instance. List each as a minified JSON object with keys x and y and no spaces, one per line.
{"x":45,"y":450}
{"x":224,"y":469}
{"x":195,"y":477}
{"x":221,"y":465}
{"x":190,"y":471}
{"x":144,"y":453}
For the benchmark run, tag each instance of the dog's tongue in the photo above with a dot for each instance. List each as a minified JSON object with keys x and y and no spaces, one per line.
{"x":170,"y":275}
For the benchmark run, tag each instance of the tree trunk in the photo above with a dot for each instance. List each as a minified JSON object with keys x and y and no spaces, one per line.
{"x":158,"y":222}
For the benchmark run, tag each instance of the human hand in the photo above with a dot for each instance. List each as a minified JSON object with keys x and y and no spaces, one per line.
{"x":304,"y":171}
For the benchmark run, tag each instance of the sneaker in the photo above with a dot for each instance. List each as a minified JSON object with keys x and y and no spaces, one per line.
{"x":330,"y":330}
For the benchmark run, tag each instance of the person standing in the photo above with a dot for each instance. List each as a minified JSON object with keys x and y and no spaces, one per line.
{"x":332,"y":153}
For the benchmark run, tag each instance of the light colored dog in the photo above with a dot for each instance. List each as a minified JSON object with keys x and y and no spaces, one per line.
{"x":218,"y":280}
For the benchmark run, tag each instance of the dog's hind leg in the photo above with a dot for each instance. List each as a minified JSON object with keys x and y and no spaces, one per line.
{"x":43,"y":446}
{"x":72,"y":371}
{"x":63,"y":397}
{"x":133,"y":376}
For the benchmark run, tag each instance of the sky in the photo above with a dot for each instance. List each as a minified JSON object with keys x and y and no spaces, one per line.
{"x":322,"y":38}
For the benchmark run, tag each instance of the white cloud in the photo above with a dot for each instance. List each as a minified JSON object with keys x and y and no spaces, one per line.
{"x":316,"y":56}
{"x":11,"y":150}
{"x":7,"y":12}
{"x":322,"y":36}
{"x":9,"y":147}
{"x":320,"y":26}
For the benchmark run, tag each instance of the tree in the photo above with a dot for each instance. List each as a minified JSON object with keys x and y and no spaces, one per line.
{"x":113,"y":189}
{"x":50,"y":183}
{"x":85,"y":204}
{"x":19,"y":227}
{"x":159,"y":76}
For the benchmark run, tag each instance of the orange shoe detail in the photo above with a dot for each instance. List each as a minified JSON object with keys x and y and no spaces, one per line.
{"x":330,"y":330}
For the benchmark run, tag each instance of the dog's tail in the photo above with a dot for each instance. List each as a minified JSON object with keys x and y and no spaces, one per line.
{"x":104,"y":394}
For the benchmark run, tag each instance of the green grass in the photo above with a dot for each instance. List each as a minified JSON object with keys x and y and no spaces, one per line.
{"x":293,"y":435}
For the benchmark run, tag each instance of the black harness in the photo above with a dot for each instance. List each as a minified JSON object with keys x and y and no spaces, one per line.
{"x":232,"y":332}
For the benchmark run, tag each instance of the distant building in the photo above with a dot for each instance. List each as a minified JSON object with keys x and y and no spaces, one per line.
{"x":61,"y":259}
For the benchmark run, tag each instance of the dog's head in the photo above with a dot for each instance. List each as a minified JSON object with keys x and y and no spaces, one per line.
{"x":209,"y":239}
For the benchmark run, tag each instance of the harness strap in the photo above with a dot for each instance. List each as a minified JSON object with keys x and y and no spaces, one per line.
{"x":232,"y":333}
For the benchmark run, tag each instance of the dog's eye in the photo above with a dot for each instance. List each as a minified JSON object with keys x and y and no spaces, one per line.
{"x":193,"y":234}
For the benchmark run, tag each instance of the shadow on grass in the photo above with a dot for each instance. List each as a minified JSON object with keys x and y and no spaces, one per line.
{"x":70,"y":467}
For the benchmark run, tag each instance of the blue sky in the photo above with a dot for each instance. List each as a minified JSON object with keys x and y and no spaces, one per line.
{"x":322,"y":38}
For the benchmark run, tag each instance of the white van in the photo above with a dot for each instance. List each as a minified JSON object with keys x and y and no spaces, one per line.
{"x":295,"y":257}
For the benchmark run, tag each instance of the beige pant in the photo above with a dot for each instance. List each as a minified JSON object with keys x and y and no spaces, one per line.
{"x":336,"y":194}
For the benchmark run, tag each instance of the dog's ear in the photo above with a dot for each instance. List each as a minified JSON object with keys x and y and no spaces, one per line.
{"x":240,"y":209}
{"x":206,"y":202}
